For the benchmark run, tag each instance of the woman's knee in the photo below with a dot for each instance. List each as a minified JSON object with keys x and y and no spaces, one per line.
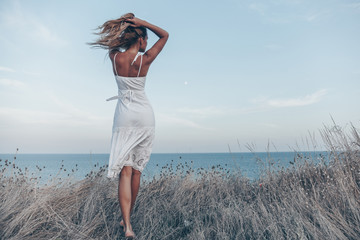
{"x":136,"y":173}
{"x":126,"y":171}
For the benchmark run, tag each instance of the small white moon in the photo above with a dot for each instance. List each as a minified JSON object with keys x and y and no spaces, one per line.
{"x":185,"y":83}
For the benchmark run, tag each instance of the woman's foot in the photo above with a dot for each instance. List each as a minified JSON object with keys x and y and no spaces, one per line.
{"x":129,"y":234}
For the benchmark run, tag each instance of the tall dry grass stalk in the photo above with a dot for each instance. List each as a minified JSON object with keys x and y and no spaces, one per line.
{"x":307,"y":201}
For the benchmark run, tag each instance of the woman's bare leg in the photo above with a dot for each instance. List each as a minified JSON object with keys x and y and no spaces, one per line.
{"x":125,"y":197}
{"x":135,"y":185}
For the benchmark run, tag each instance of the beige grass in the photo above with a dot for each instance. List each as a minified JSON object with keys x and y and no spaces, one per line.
{"x":306,"y":201}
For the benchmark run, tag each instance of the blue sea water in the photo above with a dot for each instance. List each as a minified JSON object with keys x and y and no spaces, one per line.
{"x":48,"y":166}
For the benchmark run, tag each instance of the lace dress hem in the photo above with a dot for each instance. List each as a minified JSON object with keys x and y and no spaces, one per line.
{"x":130,"y":146}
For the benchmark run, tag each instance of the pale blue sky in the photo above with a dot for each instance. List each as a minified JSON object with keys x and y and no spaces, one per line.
{"x":233,"y":73}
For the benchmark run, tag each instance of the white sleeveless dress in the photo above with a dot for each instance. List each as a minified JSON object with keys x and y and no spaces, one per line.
{"x":133,"y":126}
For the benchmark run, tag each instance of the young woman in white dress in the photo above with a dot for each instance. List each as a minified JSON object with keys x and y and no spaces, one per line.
{"x":133,"y":126}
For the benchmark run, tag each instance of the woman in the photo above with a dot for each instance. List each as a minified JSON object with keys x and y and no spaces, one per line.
{"x":133,"y":126}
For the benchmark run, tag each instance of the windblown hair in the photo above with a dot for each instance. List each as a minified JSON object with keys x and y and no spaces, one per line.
{"x":118,"y":33}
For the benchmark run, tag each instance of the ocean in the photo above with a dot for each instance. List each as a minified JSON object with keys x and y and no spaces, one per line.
{"x":77,"y":166}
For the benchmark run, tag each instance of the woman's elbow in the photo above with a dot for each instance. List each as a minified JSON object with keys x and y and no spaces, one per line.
{"x":166,"y":35}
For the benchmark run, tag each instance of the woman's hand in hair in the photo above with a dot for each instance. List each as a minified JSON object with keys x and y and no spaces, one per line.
{"x":135,"y":22}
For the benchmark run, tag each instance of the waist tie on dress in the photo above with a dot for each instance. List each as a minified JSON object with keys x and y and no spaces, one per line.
{"x":122,"y":95}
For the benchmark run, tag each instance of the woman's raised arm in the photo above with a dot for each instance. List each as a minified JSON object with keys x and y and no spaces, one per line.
{"x":161,"y":33}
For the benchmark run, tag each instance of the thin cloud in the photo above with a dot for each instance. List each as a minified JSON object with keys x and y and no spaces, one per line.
{"x":26,"y":116}
{"x":22,"y":22}
{"x":177,"y":121}
{"x":75,"y":113}
{"x":317,"y":15}
{"x":258,"y":8}
{"x":64,"y":114}
{"x":353,"y":5}
{"x":260,"y":105}
{"x":210,"y":112}
{"x":296,"y":102}
{"x":44,"y":33}
{"x":203,"y":112}
{"x":6,"y":69}
{"x":294,"y":10}
{"x":312,"y":17}
{"x":11,"y":83}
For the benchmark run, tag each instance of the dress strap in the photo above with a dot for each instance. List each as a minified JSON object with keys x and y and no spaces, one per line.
{"x":140,"y":65}
{"x":114,"y":63}
{"x":141,"y":57}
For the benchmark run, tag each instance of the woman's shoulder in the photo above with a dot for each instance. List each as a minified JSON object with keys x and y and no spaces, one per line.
{"x":120,"y":56}
{"x":112,"y":52}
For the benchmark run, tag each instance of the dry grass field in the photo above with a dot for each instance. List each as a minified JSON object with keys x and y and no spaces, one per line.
{"x":306,"y":201}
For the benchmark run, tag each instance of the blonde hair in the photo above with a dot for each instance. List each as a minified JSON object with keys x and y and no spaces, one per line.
{"x":118,"y":33}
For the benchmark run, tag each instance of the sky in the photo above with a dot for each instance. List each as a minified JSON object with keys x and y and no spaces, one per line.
{"x":234,"y":75}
